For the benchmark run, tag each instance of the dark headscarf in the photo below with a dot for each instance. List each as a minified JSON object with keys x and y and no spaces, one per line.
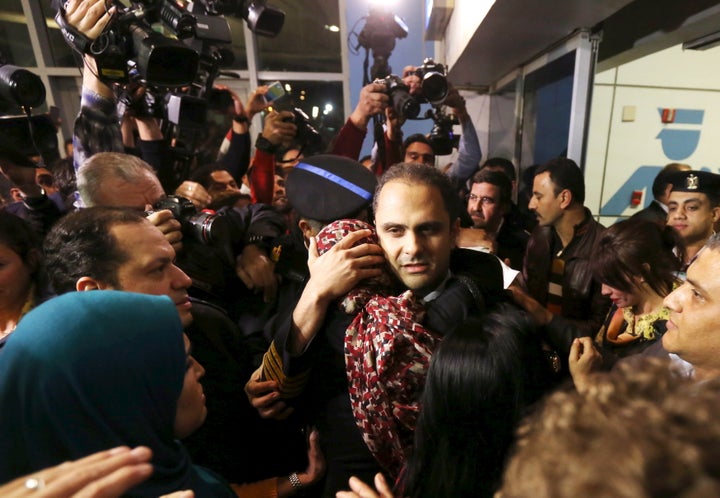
{"x":88,"y":371}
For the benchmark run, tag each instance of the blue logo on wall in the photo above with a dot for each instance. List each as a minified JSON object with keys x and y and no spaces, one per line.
{"x":680,"y":144}
{"x":677,"y":145}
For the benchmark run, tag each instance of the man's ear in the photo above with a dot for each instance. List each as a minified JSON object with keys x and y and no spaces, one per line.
{"x":89,"y":283}
{"x":716,"y":214}
{"x":307,"y":229}
{"x":565,"y":198}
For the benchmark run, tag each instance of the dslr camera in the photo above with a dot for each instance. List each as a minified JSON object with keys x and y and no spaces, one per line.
{"x":433,"y":89}
{"x":207,"y":256}
{"x":205,"y":227}
{"x":433,"y":82}
{"x":306,"y":134}
{"x":442,"y":137}
{"x":404,"y":104}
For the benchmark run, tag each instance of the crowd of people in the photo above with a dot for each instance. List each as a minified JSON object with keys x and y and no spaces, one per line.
{"x":298,"y":321}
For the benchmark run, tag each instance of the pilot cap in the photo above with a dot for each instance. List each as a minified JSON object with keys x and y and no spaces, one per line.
{"x":328,"y":187}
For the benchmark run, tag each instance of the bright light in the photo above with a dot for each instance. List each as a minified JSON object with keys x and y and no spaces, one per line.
{"x":302,"y":97}
{"x":332,"y":28}
{"x":328,"y":108}
{"x":315,"y":111}
{"x":288,"y":88}
{"x":384,"y":4}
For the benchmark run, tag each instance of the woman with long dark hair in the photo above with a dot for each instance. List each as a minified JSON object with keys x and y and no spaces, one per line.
{"x":481,"y":379}
{"x":22,"y":285}
{"x":636,"y":265}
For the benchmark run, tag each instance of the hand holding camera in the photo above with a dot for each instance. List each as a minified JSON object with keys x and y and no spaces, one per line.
{"x":418,"y":85}
{"x":373,"y":100}
{"x":171,"y":228}
{"x":279,"y":127}
{"x":88,"y":17}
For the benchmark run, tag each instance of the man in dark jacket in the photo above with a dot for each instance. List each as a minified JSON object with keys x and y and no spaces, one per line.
{"x":561,"y":293}
{"x":657,"y":210}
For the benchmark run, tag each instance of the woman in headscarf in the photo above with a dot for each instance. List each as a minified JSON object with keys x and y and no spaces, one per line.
{"x":93,"y":370}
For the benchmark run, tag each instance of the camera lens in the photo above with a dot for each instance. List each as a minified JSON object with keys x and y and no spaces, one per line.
{"x":21,"y":87}
{"x":405,"y":105}
{"x":208,"y":228}
{"x":434,"y":87}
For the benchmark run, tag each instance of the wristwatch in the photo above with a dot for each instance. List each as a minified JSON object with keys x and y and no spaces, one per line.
{"x":266,"y":145}
{"x":295,"y":480}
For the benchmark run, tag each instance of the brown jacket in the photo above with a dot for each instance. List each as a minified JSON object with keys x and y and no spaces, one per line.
{"x":583,"y":307}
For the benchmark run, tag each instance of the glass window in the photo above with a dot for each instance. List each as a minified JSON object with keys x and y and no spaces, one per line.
{"x":309,"y":40}
{"x":501,"y":138}
{"x":15,"y":44}
{"x":237,"y":47}
{"x":66,"y":94}
{"x":547,"y":102}
{"x":60,"y":52}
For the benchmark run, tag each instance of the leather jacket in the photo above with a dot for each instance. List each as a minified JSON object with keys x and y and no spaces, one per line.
{"x":583,"y":306}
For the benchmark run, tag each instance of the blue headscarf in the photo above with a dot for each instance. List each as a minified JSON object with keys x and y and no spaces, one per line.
{"x":89,"y":371}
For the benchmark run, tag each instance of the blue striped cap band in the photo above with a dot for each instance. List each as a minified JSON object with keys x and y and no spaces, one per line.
{"x":355,"y":189}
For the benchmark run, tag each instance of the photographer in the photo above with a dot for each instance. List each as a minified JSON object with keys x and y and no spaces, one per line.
{"x":234,"y":154}
{"x":97,"y":127}
{"x":469,"y":152}
{"x":39,"y":208}
{"x":122,"y":180}
{"x":278,"y":133}
{"x":373,"y":100}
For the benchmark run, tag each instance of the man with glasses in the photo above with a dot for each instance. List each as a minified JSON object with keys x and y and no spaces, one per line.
{"x":487,"y":204}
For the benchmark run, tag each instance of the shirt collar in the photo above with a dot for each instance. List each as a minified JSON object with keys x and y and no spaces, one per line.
{"x":439,"y":290}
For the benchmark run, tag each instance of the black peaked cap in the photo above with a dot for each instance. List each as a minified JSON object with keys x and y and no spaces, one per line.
{"x":328,"y":187}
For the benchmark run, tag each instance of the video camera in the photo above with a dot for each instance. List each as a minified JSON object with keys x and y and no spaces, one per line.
{"x":379,"y":34}
{"x":129,"y":49}
{"x":261,"y":18}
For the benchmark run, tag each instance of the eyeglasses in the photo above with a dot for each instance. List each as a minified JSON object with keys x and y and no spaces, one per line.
{"x":484,"y":200}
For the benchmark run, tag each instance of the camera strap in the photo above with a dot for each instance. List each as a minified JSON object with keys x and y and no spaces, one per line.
{"x":73,"y":37}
